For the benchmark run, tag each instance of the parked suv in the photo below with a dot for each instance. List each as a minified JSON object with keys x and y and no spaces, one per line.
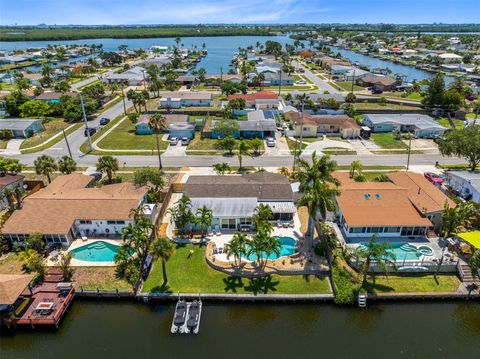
{"x":89,"y":131}
{"x":173,"y":141}
{"x":104,"y":121}
{"x":185,"y":141}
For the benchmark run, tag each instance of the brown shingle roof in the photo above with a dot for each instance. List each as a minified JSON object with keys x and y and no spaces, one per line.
{"x":54,"y":209}
{"x":264,"y":186}
{"x":52,"y":95}
{"x":12,"y":285}
{"x":423,"y":194}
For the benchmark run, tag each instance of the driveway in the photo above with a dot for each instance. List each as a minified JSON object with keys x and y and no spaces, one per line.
{"x":13,"y":146}
{"x":280,"y":149}
{"x":423,"y":144}
{"x":177,"y":150}
{"x":320,"y":145}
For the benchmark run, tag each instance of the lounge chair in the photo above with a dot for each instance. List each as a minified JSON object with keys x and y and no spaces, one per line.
{"x":83,"y":236}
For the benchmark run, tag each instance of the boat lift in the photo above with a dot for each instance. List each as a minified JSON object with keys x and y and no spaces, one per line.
{"x":186,"y":319}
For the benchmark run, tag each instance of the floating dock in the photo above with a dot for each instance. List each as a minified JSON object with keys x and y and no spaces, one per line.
{"x":186,"y":319}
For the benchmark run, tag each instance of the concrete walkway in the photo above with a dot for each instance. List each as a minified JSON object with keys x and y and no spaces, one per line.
{"x":320,"y":145}
{"x":13,"y":146}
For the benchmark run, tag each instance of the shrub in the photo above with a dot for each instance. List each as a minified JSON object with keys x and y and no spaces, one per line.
{"x":346,"y":290}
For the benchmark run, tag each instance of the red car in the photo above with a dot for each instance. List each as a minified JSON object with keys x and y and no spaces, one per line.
{"x":433,"y":177}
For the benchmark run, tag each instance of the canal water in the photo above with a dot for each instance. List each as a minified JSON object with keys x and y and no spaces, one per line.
{"x":220,"y":51}
{"x":134,"y":330}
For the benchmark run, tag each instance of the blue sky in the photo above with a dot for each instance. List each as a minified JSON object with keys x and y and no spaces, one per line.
{"x":31,"y":12}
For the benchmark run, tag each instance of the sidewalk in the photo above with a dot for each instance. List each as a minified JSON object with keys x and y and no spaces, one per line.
{"x":13,"y":147}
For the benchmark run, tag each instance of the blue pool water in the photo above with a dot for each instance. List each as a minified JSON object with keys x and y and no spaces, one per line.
{"x":407,"y":251}
{"x":98,"y":251}
{"x":287,"y":249}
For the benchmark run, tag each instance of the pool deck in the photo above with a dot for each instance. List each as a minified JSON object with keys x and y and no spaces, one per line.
{"x":77,"y":243}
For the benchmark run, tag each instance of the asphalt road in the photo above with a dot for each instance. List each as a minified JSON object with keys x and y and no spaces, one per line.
{"x":322,"y":85}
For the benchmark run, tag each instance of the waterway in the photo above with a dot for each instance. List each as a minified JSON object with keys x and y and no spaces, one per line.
{"x":135,"y":330}
{"x":220,"y":49}
{"x":411,"y":73}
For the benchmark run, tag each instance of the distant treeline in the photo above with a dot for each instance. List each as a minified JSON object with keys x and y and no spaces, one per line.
{"x":400,"y":28}
{"x":83,"y":32}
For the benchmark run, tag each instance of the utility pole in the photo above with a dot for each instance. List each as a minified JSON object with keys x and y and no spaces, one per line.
{"x":123,"y":99}
{"x":409,"y":150}
{"x":280,"y":83}
{"x":68,"y":145}
{"x":295,"y":152}
{"x":86,"y":124}
{"x":221,"y":75}
{"x":353,"y":80}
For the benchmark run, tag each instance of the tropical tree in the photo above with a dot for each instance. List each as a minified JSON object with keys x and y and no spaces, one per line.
{"x":463,"y":143}
{"x":65,"y":267}
{"x":284,"y":171}
{"x":226,"y":144}
{"x":271,"y":245}
{"x":181,"y":214}
{"x":45,"y":165}
{"x":151,"y":178}
{"x":242,"y":150}
{"x":163,"y":249}
{"x":262,"y":214}
{"x":475,"y":263}
{"x":221,"y":168}
{"x":237,"y":246}
{"x":256,"y":246}
{"x":8,"y":195}
{"x":356,"y":169}
{"x":35,"y":242}
{"x":256,"y":144}
{"x":204,"y":218}
{"x":107,"y":165}
{"x":67,"y":165}
{"x":377,"y":252}
{"x":157,"y":123}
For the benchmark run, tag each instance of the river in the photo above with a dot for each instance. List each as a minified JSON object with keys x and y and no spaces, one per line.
{"x":95,"y":329}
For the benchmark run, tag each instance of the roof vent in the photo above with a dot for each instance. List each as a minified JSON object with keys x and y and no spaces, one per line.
{"x":366,"y":195}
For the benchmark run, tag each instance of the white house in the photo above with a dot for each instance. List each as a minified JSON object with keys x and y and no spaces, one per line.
{"x":450,"y":58}
{"x":421,"y":126}
{"x":465,"y":183}
{"x":181,"y":99}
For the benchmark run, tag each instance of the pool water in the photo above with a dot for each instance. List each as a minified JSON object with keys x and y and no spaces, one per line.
{"x":99,"y":251}
{"x":407,"y":251}
{"x":287,"y":248}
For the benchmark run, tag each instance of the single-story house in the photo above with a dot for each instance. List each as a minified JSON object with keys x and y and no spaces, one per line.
{"x":450,"y":58}
{"x":259,"y":124}
{"x":354,"y":74}
{"x":9,"y":182}
{"x":186,"y":98}
{"x":383,"y":83}
{"x":187,"y":80}
{"x":421,"y":126}
{"x":133,"y":77}
{"x":13,"y":59}
{"x":318,"y":125}
{"x":425,"y":196}
{"x":34,"y":78}
{"x":69,"y":208}
{"x":143,"y":128}
{"x":465,"y":183}
{"x":233,"y":199}
{"x":20,"y":127}
{"x":382,"y":208}
{"x":217,"y":79}
{"x":259,"y":100}
{"x":278,"y":78}
{"x":53,"y":96}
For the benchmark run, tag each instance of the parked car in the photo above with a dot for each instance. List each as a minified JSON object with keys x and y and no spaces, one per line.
{"x":433,"y":177}
{"x":89,"y":131}
{"x":185,"y":141}
{"x":104,"y":121}
{"x":376,"y":91}
{"x":270,"y":142}
{"x":301,"y":82}
{"x":173,"y":141}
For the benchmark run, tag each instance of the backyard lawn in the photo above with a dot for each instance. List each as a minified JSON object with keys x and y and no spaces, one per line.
{"x":10,"y":263}
{"x":191,"y":274}
{"x":52,"y":127}
{"x":414,"y":284}
{"x":347,"y":86}
{"x":459,"y":124}
{"x":103,"y":278}
{"x":387,"y":140}
{"x":123,"y":137}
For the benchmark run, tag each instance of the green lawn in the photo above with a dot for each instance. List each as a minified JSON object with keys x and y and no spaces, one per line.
{"x":3,"y":144}
{"x":459,"y":124}
{"x":414,"y":284}
{"x":387,"y":140}
{"x":377,"y":106}
{"x":338,"y":151}
{"x":347,"y":86}
{"x":52,"y":127}
{"x":412,"y":96}
{"x":193,"y":275}
{"x":123,"y":137}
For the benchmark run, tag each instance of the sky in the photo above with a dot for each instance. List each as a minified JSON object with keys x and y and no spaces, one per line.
{"x":116,"y":12}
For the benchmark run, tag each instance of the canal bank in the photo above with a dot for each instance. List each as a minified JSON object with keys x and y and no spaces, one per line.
{"x":112,"y":329}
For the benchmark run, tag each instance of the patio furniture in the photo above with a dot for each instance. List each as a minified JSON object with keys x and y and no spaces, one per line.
{"x":83,"y":236}
{"x":285,"y":225}
{"x":291,"y":224}
{"x":44,"y":307}
{"x":279,"y":224}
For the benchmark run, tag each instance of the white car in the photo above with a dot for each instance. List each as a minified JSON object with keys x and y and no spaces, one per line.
{"x":173,"y":141}
{"x":301,"y":82}
{"x":185,"y":141}
{"x":270,"y":141}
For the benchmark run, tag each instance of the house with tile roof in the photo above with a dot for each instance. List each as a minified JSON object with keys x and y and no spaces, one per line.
{"x":319,"y":125}
{"x":259,"y":100}
{"x":70,"y":207}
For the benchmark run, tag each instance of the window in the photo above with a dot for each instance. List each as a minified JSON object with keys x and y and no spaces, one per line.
{"x":111,"y":222}
{"x":392,"y":229}
{"x":120,"y":222}
{"x":356,"y":230}
{"x":85,"y":222}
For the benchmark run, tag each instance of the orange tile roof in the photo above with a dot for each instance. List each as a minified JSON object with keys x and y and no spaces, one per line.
{"x":422,"y":193}
{"x":54,"y":209}
{"x":372,"y":204}
{"x":260,"y":95}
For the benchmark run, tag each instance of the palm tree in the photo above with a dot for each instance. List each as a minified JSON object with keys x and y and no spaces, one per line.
{"x":18,"y":192}
{"x":263,"y":213}
{"x":257,"y":246}
{"x":181,"y":213}
{"x":67,"y":165}
{"x":243,"y":150}
{"x":271,"y":245}
{"x":163,"y":248}
{"x":47,"y":71}
{"x":157,"y":123}
{"x":284,"y":171}
{"x":377,"y":252}
{"x":356,"y":169}
{"x":204,"y":218}
{"x":8,"y":195}
{"x":45,"y":165}
{"x":108,"y":165}
{"x":221,"y":168}
{"x":237,"y":246}
{"x":321,"y":168}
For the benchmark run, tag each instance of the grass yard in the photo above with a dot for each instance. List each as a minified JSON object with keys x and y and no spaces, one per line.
{"x":338,"y":151}
{"x":193,"y":275}
{"x":10,"y":263}
{"x":387,"y":140}
{"x":415,"y":96}
{"x":103,"y":278}
{"x":347,"y":86}
{"x":3,"y":144}
{"x":414,"y":284}
{"x":202,"y":144}
{"x":123,"y":137}
{"x":366,"y":106}
{"x":52,"y":127}
{"x":459,"y":124}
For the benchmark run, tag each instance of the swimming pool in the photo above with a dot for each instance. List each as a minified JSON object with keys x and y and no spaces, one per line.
{"x":409,"y":252}
{"x":287,"y":248}
{"x":98,"y":251}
